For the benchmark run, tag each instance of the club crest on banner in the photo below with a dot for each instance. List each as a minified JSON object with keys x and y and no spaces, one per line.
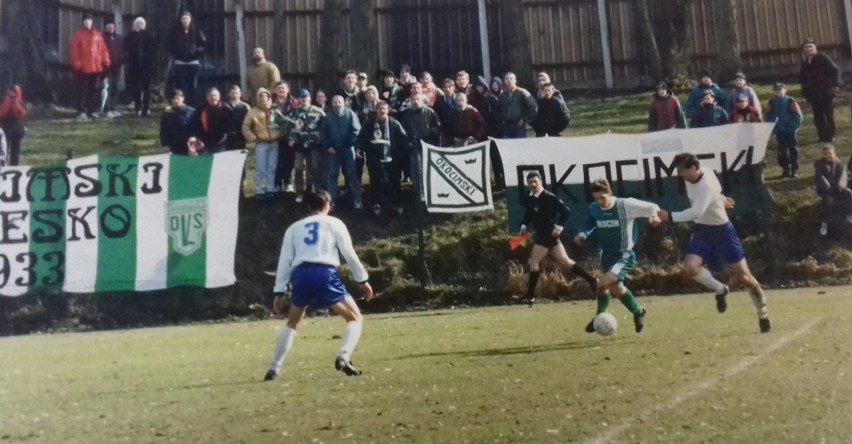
{"x":457,"y":180}
{"x":186,"y":222}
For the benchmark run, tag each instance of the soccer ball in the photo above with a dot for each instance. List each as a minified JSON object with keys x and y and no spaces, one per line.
{"x":605,"y":324}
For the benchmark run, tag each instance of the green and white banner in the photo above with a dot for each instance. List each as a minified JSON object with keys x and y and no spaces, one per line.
{"x":105,"y":223}
{"x":640,"y":166}
{"x":457,"y":180}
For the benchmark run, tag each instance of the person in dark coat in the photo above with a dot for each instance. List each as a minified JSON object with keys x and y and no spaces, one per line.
{"x":115,"y":47}
{"x":141,"y":49}
{"x":211,"y":123}
{"x":488,"y":105}
{"x":235,"y":112}
{"x":381,"y":139}
{"x":831,"y":179}
{"x":176,"y":125}
{"x":820,"y":79}
{"x":709,"y":113}
{"x":186,"y":43}
{"x":553,"y":115}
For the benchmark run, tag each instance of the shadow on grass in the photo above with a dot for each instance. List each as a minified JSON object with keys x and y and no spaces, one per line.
{"x":525,"y":350}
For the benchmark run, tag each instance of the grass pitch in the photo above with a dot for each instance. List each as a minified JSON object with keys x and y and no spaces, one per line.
{"x":508,"y":374}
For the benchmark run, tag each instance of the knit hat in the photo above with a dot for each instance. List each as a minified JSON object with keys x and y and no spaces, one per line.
{"x":742,"y":98}
{"x":808,"y":41}
{"x":405,"y":68}
{"x":739,"y":75}
{"x":303,"y":93}
{"x":386,"y":73}
{"x":779,"y":86}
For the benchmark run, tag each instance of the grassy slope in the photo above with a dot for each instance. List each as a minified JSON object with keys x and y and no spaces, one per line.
{"x":469,"y":250}
{"x":507,"y":374}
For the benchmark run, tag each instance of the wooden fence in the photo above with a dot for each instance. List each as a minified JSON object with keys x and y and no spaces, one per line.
{"x":443,"y":35}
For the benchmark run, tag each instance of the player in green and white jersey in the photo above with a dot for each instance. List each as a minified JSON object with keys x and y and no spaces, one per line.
{"x":612,"y":221}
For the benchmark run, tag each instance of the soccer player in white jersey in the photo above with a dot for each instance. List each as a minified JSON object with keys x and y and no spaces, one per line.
{"x":714,"y":238}
{"x":612,"y":221}
{"x":308,"y":263}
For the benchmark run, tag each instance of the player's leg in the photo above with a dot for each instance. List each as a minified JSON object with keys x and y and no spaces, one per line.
{"x":558,"y":253}
{"x":538,"y":253}
{"x":618,"y":266}
{"x":285,"y":341}
{"x":742,"y":274}
{"x":603,"y":296}
{"x":348,"y":310}
{"x":693,"y":266}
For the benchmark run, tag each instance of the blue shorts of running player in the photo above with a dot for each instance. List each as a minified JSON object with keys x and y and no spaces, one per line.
{"x":316,"y":285}
{"x":716,"y":244}
{"x":619,"y":263}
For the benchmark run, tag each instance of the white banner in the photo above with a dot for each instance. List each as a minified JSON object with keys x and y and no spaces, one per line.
{"x":634,"y":157}
{"x":457,"y":180}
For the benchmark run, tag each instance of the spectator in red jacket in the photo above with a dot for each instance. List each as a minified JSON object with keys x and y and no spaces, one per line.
{"x":12,"y":113}
{"x":744,"y":112}
{"x":665,"y":110}
{"x":89,"y":57}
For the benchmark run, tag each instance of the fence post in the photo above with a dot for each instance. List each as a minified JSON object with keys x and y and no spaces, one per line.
{"x":607,"y":59}
{"x":239,"y":6}
{"x":847,"y":8}
{"x":483,"y":41}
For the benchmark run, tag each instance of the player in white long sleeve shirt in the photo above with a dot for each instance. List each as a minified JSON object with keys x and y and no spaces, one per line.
{"x":714,"y":238}
{"x":308,"y":262}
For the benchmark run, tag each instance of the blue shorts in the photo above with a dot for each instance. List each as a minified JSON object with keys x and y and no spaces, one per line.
{"x":316,"y":285}
{"x":716,"y":244}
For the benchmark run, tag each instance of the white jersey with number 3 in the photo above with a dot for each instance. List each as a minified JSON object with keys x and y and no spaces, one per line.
{"x":317,"y":239}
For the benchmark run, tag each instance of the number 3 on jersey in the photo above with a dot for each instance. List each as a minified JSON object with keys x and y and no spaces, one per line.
{"x":313,"y":233}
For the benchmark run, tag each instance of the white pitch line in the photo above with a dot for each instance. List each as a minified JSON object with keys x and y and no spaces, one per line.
{"x":704,"y":386}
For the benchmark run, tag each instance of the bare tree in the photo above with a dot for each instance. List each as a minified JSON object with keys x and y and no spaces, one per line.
{"x":727,"y":39}
{"x":27,"y":66}
{"x":364,"y":36}
{"x":665,"y":27}
{"x":517,"y":40}
{"x":330,"y":45}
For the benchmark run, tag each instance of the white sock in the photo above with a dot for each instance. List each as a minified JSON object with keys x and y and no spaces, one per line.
{"x":759,"y":300}
{"x":351,"y":335}
{"x":706,"y":279}
{"x":285,"y":342}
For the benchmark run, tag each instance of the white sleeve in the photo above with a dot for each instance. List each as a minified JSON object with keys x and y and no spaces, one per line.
{"x":635,"y":208}
{"x":344,"y":244}
{"x":703,"y":199}
{"x":285,"y":263}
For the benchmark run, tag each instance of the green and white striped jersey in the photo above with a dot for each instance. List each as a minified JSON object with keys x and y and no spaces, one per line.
{"x":614,"y":227}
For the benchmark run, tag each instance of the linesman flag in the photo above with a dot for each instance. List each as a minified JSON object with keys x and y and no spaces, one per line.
{"x":457,"y":180}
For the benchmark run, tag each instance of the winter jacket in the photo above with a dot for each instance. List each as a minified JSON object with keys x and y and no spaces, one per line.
{"x":786,"y":113}
{"x":211,"y":125}
{"x":422,"y":125}
{"x":12,"y":113}
{"x":747,"y":91}
{"x":665,"y":113}
{"x":704,"y":117}
{"x":391,"y":131}
{"x":830,"y":178}
{"x":88,"y":52}
{"x":263,"y":124}
{"x":186,"y":47}
{"x":819,"y":76}
{"x":518,"y":104}
{"x":553,"y":117}
{"x":352,"y":99}
{"x":115,"y":48}
{"x":141,"y":50}
{"x":235,"y":114}
{"x":263,"y":75}
{"x":489,"y":106}
{"x":339,"y":132}
{"x":390,"y":94}
{"x":306,"y":131}
{"x":749,"y":114}
{"x":176,"y":128}
{"x":693,"y":102}
{"x":469,"y":124}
